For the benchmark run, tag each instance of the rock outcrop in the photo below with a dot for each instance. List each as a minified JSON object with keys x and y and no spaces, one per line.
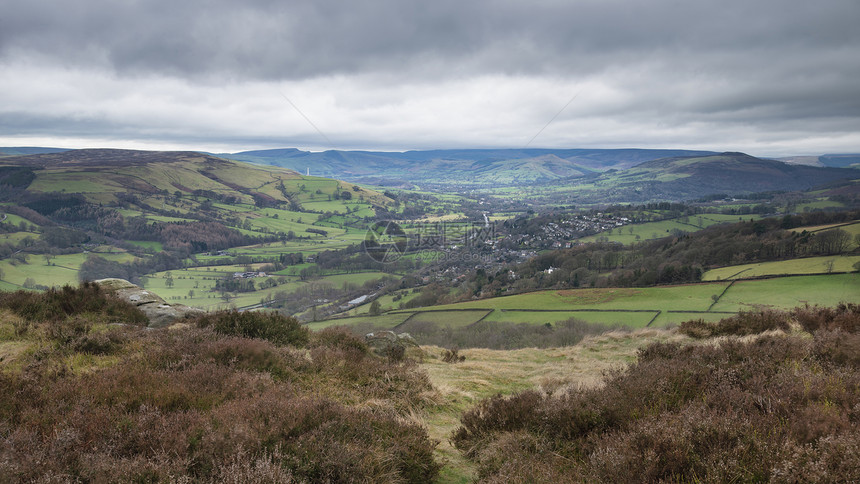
{"x":159,"y":311}
{"x":390,"y":344}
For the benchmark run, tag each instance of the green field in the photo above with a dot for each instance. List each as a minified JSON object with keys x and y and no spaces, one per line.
{"x":16,"y":220}
{"x":445,"y":319}
{"x":383,"y":321}
{"x":788,"y":292}
{"x":63,"y":269}
{"x":809,"y":265}
{"x":629,"y":234}
{"x":629,"y":319}
{"x":819,"y":205}
{"x":194,"y":286}
{"x":156,"y":246}
{"x":637,"y":307}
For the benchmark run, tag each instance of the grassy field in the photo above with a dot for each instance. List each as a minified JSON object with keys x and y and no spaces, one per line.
{"x":637,"y":307}
{"x":13,"y":219}
{"x":851,"y":227}
{"x":63,"y":269}
{"x":819,"y":205}
{"x":445,"y":319}
{"x":809,"y":265}
{"x":787,"y":292}
{"x":194,"y":286}
{"x":383,"y":321}
{"x":156,"y":246}
{"x":629,"y":234}
{"x":628,"y":319}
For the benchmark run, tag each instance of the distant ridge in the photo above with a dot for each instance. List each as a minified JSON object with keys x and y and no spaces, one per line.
{"x":846,"y":160}
{"x":459,"y":167}
{"x":104,"y":157}
{"x":28,"y":150}
{"x":730,"y":173}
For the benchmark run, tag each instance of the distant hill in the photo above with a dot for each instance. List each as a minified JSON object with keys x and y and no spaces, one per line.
{"x":684,"y":178}
{"x":469,"y":168}
{"x":28,"y":150}
{"x":846,"y":160}
{"x":104,"y":175}
{"x":836,"y":161}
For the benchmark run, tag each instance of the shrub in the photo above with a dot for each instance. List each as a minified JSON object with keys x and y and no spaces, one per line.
{"x":452,"y":356}
{"x":192,"y":405}
{"x":56,"y":304}
{"x":272,"y":326}
{"x":844,"y":317}
{"x":99,"y":343}
{"x":339,"y":337}
{"x":838,"y":347}
{"x":505,"y":335}
{"x":744,"y":323}
{"x":781,"y":408}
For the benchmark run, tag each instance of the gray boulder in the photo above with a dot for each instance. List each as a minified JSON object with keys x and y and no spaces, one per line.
{"x":159,"y":311}
{"x":388,"y":343}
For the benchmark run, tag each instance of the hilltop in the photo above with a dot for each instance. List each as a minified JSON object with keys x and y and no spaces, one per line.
{"x":99,"y":213}
{"x":102,"y":175}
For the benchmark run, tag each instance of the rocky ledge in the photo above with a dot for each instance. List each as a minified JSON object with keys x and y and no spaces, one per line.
{"x":159,"y":311}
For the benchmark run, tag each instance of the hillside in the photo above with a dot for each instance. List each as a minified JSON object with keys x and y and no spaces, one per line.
{"x":507,"y":167}
{"x":102,"y":174}
{"x":121,"y":213}
{"x":687,"y":178}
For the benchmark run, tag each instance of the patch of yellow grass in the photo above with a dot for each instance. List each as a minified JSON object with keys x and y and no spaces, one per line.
{"x":458,"y":386}
{"x":10,"y":351}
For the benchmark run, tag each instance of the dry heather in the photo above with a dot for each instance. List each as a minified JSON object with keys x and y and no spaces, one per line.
{"x":90,"y":402}
{"x":781,"y":407}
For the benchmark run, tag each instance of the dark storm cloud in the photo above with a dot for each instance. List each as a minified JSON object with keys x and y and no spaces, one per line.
{"x":271,"y":39}
{"x":744,"y":69}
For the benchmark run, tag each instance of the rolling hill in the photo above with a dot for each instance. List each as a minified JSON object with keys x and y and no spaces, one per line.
{"x":106,"y":175}
{"x":28,"y":150}
{"x":835,"y":160}
{"x":458,"y":168}
{"x":687,"y":178}
{"x":99,"y":213}
{"x":577,"y":175}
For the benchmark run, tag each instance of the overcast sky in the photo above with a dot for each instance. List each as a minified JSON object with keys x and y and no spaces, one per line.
{"x":768,"y":77}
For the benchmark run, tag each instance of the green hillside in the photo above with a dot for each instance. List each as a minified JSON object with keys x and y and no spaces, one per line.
{"x":631,"y":307}
{"x":148,"y":211}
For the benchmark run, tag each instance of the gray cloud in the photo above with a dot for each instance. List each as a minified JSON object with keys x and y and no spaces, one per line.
{"x":271,"y":39}
{"x":369,"y":72}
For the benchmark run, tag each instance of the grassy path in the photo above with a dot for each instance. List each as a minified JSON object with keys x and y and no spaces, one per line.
{"x":487,"y":372}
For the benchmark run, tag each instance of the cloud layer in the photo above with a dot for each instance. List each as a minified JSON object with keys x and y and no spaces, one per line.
{"x":769,"y":77}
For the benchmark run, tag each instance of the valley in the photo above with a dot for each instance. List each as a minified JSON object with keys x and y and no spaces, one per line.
{"x":536,"y":281}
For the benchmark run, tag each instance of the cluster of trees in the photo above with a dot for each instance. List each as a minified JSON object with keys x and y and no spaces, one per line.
{"x":229,"y":284}
{"x":97,"y":267}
